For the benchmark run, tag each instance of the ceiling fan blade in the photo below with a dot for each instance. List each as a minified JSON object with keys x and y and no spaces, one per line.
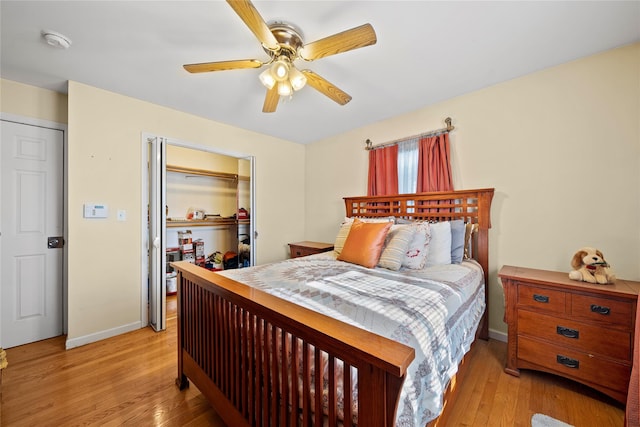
{"x":251,"y":17}
{"x":325,"y":87}
{"x":223,"y":65}
{"x":271,"y":100}
{"x":354,"y":38}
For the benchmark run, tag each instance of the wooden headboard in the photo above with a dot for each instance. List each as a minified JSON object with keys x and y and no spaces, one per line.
{"x":472,"y":206}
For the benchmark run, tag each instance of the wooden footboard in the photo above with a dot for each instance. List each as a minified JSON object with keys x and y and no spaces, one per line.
{"x":256,"y":357}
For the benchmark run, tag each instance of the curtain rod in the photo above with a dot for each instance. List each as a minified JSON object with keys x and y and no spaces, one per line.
{"x":449,"y":128}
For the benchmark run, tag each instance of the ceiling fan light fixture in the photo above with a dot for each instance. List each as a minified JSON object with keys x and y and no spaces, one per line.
{"x":280,"y":69}
{"x":297,"y":79}
{"x":284,"y":88}
{"x":284,"y":45}
{"x":267,"y":79}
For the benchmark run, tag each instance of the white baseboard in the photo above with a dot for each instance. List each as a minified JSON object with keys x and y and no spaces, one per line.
{"x":98,"y":336}
{"x":498,"y":335}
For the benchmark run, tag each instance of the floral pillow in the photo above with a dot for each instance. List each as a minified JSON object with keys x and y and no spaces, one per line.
{"x":416,"y":255}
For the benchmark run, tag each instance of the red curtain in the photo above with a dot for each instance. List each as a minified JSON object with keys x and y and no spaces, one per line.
{"x":383,"y":171}
{"x":434,"y":164}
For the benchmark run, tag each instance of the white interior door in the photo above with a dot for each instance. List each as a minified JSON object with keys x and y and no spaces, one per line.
{"x":32,"y":220}
{"x":157,"y":232}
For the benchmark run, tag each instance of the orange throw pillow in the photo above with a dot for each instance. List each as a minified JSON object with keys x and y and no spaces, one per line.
{"x":364,"y":243}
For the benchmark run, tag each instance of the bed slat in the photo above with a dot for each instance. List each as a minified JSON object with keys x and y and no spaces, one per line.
{"x":233,"y":352}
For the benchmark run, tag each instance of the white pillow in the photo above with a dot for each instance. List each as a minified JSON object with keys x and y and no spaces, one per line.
{"x":439,"y":251}
{"x":416,"y":255}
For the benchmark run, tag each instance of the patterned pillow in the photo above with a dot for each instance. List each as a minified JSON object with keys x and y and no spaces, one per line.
{"x":439,"y":251}
{"x":396,"y":246}
{"x":341,"y":237}
{"x":469,"y":229}
{"x":416,"y":255}
{"x":364,"y":243}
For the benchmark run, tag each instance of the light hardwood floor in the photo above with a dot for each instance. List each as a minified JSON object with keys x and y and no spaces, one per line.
{"x":129,"y":380}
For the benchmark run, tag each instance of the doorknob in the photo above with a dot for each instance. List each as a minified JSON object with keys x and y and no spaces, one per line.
{"x":55,"y":242}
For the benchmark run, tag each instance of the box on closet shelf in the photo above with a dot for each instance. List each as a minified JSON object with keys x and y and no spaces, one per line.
{"x":185,"y":237}
{"x":199,"y":248}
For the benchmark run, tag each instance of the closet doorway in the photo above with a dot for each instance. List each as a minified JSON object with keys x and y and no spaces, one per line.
{"x":201,"y":209}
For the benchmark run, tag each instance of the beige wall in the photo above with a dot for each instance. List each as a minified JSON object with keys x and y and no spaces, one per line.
{"x":560,"y":146}
{"x":197,"y":159}
{"x":29,"y":101}
{"x":104,"y":163}
{"x":105,"y":158}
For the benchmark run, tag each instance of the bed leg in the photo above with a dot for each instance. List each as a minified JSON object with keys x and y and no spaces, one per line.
{"x":483,"y":331}
{"x":182,"y":382}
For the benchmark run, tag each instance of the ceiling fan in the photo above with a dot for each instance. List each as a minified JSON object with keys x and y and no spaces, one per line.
{"x":284,"y":44}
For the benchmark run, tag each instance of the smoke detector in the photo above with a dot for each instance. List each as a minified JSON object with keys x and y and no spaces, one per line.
{"x":56,"y":39}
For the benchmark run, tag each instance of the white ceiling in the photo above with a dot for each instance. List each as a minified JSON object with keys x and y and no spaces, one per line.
{"x":427,"y":52}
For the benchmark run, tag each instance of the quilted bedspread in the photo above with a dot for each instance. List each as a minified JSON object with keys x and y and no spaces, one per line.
{"x":435,"y":310}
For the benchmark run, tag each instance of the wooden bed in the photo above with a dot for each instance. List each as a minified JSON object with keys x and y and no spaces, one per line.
{"x":233,"y":338}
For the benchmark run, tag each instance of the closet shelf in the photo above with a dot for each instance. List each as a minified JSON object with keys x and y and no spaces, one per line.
{"x":206,"y":222}
{"x":205,"y":172}
{"x":202,"y":223}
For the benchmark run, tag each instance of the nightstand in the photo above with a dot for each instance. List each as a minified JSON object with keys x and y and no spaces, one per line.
{"x":305,"y":248}
{"x":574,"y":329}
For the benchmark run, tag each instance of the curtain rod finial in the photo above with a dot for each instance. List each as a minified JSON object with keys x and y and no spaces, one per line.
{"x":369,"y":144}
{"x":449,"y":126}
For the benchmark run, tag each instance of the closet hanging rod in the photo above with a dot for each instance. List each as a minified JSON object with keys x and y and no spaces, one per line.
{"x":369,"y":144}
{"x":192,"y":172}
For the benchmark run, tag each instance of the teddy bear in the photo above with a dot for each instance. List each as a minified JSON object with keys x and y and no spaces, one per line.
{"x":590,"y":266}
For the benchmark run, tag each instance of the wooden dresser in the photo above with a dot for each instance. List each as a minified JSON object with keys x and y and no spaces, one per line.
{"x":574,"y":329}
{"x":305,"y":248}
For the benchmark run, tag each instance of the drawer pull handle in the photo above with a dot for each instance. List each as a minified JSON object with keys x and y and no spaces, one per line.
{"x":541,"y":298}
{"x":600,"y":309}
{"x":567,"y":332}
{"x":568,"y":362}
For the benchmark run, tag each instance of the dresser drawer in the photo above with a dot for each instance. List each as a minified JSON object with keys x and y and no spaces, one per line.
{"x":575,"y":364}
{"x":298,"y":251}
{"x":542,"y":299}
{"x":305,"y":248}
{"x":574,"y":329}
{"x":579,"y":336}
{"x":605,"y":310}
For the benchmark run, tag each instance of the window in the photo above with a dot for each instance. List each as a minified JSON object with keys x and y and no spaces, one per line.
{"x":407,"y":166}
